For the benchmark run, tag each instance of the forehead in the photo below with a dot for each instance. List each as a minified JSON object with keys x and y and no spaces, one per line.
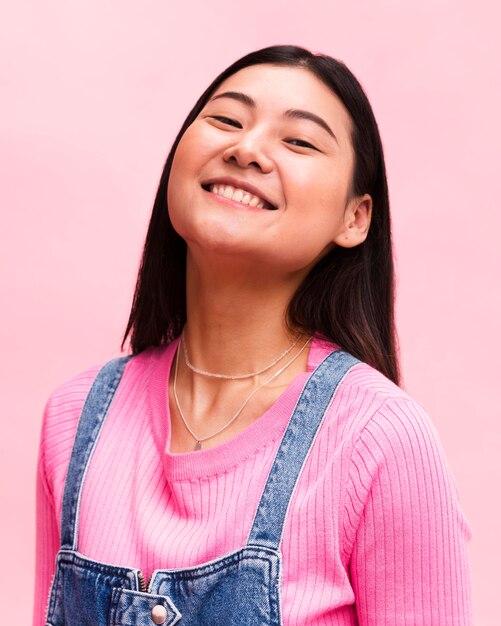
{"x":276,"y":88}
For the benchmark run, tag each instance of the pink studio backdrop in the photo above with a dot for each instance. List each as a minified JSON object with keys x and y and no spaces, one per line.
{"x":92,"y":94}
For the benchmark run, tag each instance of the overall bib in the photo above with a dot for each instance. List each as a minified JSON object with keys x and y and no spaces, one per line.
{"x":241,"y":588}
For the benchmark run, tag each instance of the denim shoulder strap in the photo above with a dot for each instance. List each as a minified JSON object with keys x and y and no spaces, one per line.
{"x":295,"y":446}
{"x":91,"y":420}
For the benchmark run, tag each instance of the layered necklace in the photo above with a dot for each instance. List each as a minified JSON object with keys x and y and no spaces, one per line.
{"x":238,"y":376}
{"x":199,"y":440}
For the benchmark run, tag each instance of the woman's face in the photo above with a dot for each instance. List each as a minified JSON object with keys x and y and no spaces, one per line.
{"x":263,"y":173}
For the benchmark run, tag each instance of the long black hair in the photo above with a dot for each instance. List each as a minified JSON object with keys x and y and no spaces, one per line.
{"x":347,"y":297}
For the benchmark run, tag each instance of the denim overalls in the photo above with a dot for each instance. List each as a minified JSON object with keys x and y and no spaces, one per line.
{"x":239,"y":589}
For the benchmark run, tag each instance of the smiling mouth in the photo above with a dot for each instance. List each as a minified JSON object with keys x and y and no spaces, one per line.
{"x":238,"y":195}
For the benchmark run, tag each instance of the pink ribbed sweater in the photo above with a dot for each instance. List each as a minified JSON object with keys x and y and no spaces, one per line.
{"x":374,"y":534}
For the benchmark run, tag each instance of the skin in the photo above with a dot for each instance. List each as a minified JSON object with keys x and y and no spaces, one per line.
{"x":243,"y":264}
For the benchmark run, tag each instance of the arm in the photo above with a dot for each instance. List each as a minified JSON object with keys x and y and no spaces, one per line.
{"x":47,"y":541}
{"x":59,"y":425}
{"x":409,"y":563}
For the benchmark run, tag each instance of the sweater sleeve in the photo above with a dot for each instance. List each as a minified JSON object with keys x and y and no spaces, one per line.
{"x":59,"y":424}
{"x":408,"y":563}
{"x":47,"y":541}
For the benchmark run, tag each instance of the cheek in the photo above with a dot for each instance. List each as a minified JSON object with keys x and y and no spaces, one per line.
{"x":189,"y":167}
{"x":178,"y":190}
{"x":319,"y":194}
{"x":183,"y":158}
{"x":194,"y":161}
{"x":183,"y":172}
{"x":199,"y":142}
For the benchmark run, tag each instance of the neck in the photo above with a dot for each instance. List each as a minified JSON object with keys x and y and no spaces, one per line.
{"x":236,"y":321}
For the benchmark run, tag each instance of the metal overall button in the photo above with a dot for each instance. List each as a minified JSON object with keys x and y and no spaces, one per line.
{"x":130,"y":608}
{"x":159,"y":614}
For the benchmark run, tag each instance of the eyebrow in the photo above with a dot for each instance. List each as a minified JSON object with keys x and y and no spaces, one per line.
{"x":290,"y":113}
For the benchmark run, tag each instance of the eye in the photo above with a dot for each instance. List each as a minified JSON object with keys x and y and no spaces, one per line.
{"x":226,"y":120}
{"x":301,"y":143}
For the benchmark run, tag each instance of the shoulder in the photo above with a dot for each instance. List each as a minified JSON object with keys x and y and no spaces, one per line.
{"x":396,"y":456}
{"x":66,"y":401}
{"x":379,"y":424}
{"x":394,"y":423}
{"x":59,"y":424}
{"x":62,"y":413}
{"x":363,"y":388}
{"x":393,"y":437}
{"x":366,"y":401}
{"x":388,"y":411}
{"x":364,"y":396}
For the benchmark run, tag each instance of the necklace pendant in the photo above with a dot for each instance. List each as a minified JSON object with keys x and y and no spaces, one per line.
{"x":198,"y":445}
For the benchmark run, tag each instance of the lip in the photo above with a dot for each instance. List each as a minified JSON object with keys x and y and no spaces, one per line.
{"x":241,"y":184}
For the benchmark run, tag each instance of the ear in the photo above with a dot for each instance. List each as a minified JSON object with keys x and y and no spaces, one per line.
{"x":357,"y":219}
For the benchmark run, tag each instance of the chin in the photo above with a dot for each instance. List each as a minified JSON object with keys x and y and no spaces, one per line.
{"x":220,"y":245}
{"x":213,"y":235}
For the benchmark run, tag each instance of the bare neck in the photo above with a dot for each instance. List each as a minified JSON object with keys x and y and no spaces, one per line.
{"x":236,"y":322}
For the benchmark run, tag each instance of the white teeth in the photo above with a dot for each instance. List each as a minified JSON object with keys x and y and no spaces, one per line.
{"x":239,"y":195}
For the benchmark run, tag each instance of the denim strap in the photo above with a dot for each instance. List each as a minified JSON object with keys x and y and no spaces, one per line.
{"x":295,"y":446}
{"x":91,"y":420}
{"x":289,"y":460}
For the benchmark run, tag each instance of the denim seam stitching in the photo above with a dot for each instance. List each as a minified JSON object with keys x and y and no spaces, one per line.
{"x":51,"y":604}
{"x":107,"y":405}
{"x":301,"y":395}
{"x":112,"y":615}
{"x":305,"y":393}
{"x":81,"y":562}
{"x":279,"y":588}
{"x":296,"y":482}
{"x":186,"y":574}
{"x":117,"y":592}
{"x":276,"y":453}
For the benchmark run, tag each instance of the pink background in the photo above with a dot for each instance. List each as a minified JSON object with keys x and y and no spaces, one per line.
{"x":92,"y":94}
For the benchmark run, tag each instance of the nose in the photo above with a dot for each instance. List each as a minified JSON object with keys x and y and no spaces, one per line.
{"x":249,"y":151}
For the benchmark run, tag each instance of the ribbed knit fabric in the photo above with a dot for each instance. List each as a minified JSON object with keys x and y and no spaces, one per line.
{"x":374,"y":534}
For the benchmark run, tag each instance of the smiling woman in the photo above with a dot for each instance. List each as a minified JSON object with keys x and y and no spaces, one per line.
{"x":258,"y":128}
{"x":253,"y":460}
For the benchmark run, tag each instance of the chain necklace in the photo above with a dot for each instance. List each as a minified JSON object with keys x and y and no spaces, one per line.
{"x":200,"y":440}
{"x":227,"y":377}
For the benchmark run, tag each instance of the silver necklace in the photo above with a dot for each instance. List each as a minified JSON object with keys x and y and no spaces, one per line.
{"x":226,"y":376}
{"x":200,"y":440}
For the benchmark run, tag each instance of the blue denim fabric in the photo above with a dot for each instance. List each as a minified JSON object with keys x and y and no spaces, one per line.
{"x":239,"y":589}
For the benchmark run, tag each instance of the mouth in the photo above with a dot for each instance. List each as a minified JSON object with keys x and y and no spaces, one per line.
{"x":241,"y":194}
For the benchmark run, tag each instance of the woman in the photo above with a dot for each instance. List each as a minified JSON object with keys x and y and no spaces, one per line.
{"x":254,"y":461}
